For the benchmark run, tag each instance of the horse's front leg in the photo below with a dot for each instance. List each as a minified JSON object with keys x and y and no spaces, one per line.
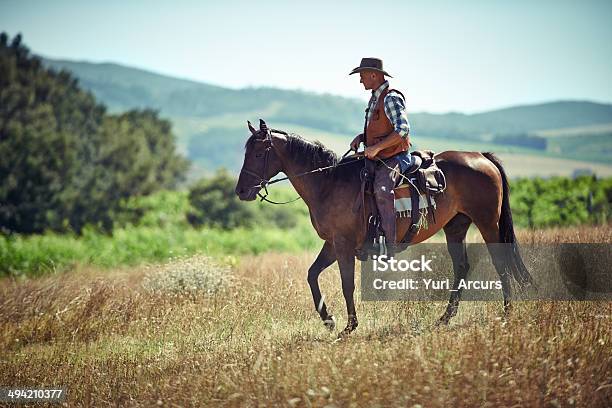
{"x":326,"y":258}
{"x":345,"y":253}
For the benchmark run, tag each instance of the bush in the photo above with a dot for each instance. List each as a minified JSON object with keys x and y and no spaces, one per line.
{"x":188,"y":275}
{"x":561,"y":201}
{"x":215,"y":204}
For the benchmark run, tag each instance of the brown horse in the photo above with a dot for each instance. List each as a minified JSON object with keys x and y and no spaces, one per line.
{"x":477,"y":193}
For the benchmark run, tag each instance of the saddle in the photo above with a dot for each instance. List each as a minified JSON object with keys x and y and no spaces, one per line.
{"x":414,"y":192}
{"x":425,"y":173}
{"x":422,"y":181}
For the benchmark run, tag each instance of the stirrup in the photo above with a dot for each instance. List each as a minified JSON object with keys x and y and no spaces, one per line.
{"x":382,"y":245}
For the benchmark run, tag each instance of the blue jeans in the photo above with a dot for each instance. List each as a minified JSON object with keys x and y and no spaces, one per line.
{"x":404,"y":160}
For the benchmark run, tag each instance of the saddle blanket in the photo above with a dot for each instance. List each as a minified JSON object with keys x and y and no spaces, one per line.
{"x":403,"y":201}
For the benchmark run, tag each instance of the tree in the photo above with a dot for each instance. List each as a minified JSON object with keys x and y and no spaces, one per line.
{"x":64,"y":162}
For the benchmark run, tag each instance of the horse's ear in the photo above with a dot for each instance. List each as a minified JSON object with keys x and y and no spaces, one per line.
{"x":251,"y":128}
{"x":262,"y":125}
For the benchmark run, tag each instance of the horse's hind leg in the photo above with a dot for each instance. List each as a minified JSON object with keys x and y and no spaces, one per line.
{"x":346,"y":261}
{"x":325,"y":258}
{"x":490,"y":233}
{"x":455,"y":231}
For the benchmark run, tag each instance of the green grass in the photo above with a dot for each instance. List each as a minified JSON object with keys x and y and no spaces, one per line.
{"x":162,"y":232}
{"x":41,"y":254}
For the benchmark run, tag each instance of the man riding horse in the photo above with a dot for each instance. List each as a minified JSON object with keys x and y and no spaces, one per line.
{"x":386,"y":137}
{"x":329,"y":186}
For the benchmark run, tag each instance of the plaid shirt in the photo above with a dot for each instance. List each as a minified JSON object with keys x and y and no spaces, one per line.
{"x":395,"y":109}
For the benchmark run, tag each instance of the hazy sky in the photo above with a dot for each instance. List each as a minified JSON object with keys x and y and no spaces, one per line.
{"x":446,"y":56}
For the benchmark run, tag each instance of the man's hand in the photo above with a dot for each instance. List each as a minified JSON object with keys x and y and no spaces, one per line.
{"x":356,"y":141}
{"x":371,"y":152}
{"x":389,"y":141}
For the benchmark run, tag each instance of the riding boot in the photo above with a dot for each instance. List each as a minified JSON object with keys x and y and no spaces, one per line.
{"x":387,"y":216}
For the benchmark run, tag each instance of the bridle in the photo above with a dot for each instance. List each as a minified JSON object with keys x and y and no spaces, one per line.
{"x":265,"y":182}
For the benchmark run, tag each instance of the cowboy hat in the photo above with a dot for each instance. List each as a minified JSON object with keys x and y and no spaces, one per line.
{"x":374,"y":64}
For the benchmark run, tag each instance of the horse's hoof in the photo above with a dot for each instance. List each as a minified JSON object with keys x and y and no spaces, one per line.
{"x":508,"y":309}
{"x":344,"y":334}
{"x":507,"y":313}
{"x":443,"y":321}
{"x":350,"y":327}
{"x":330,"y":323}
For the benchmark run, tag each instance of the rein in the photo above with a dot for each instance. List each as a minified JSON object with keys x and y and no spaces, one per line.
{"x":264,"y":182}
{"x":409,"y":181}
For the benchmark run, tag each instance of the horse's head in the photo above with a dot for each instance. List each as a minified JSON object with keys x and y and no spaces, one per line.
{"x":261,"y":162}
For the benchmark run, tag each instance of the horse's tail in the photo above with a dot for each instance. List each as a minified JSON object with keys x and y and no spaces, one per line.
{"x":513,"y":261}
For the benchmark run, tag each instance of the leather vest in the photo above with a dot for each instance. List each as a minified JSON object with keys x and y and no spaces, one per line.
{"x":380,"y":127}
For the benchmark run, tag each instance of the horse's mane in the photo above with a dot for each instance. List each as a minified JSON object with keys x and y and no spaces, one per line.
{"x":314,"y":155}
{"x":311,"y":154}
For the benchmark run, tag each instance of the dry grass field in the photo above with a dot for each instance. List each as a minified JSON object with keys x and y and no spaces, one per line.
{"x":191,"y":334}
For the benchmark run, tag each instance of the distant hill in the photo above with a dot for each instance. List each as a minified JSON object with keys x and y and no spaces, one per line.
{"x":518,"y":119}
{"x":210,"y":121}
{"x":121,"y":88}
